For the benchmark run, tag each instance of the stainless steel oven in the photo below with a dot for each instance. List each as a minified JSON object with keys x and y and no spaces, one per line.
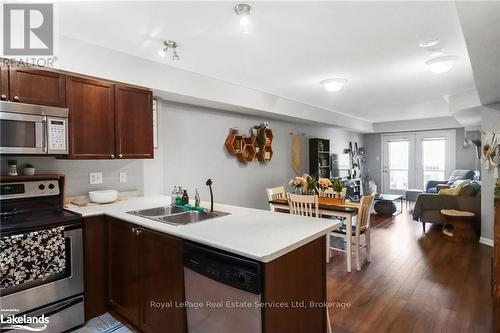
{"x":33,"y":129}
{"x":41,"y":255}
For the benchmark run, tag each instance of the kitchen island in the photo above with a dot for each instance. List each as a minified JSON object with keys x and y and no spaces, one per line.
{"x":142,"y":261}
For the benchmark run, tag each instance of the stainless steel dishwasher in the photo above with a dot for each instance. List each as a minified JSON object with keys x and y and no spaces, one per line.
{"x":223,"y":291}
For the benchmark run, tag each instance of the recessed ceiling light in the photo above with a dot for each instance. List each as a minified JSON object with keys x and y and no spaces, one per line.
{"x":243,"y":10}
{"x":334,"y":84}
{"x":441,"y":64}
{"x":428,"y":42}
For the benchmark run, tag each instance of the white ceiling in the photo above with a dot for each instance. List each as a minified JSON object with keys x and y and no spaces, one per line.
{"x":293,"y":46}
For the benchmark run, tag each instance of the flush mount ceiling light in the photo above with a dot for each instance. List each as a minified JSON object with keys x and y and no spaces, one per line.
{"x":243,"y":10}
{"x":435,"y":52}
{"x":334,"y":84}
{"x":428,"y":42}
{"x":441,"y":64}
{"x":169,"y":44}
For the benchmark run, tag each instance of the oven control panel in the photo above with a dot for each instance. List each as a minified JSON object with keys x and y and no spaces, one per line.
{"x":57,"y":135}
{"x":30,"y":189}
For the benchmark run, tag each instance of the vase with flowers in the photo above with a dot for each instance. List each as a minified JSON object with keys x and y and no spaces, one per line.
{"x":324,"y":184}
{"x":298,"y":183}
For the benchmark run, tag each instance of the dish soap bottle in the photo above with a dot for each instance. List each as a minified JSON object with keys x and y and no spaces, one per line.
{"x":185,"y":198}
{"x":196,"y":199}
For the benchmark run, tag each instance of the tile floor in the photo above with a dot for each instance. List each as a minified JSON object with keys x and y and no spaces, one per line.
{"x":103,"y":324}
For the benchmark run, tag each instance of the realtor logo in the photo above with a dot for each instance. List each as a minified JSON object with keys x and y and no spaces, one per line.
{"x":28,"y":29}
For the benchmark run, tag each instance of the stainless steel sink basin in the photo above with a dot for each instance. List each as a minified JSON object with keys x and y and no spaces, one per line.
{"x":175,"y":215}
{"x":190,"y":217}
{"x":158,"y":211}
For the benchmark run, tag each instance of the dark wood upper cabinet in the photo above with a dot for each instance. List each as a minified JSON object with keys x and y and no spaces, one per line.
{"x":91,"y":118}
{"x":134,"y":122}
{"x":162,"y":281}
{"x":37,"y":87}
{"x":4,"y":82}
{"x":123,"y":270}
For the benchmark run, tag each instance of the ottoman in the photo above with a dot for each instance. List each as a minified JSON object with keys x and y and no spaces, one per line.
{"x":411,"y":195}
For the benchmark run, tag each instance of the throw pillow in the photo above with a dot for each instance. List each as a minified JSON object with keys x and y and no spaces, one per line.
{"x":454,"y":191}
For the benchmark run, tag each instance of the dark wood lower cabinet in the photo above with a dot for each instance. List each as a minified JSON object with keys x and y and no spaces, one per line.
{"x":145,"y":271}
{"x":95,"y":261}
{"x":123,"y":270}
{"x":297,"y":276}
{"x":162,"y":282}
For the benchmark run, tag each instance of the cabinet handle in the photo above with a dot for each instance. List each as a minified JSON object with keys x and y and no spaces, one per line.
{"x":134,"y":230}
{"x":4,"y":97}
{"x":112,"y":155}
{"x":120,"y":155}
{"x":16,"y":98}
{"x":138,"y":232}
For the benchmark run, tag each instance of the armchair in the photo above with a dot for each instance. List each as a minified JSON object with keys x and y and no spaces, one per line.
{"x":458,"y":174}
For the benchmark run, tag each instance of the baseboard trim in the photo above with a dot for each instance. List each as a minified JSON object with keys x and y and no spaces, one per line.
{"x":486,"y":241}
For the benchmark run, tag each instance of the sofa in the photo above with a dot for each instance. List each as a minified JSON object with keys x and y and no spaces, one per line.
{"x":428,"y":205}
{"x":432,"y":186}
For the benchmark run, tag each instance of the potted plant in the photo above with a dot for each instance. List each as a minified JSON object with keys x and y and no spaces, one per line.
{"x":260,"y":137}
{"x":298,"y":184}
{"x":311,"y":183}
{"x":338,"y":187}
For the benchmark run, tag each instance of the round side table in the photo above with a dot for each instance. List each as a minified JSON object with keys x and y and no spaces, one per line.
{"x":461,"y":222}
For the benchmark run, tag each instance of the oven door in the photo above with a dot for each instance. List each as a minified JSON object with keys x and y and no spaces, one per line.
{"x":66,"y":281}
{"x":22,"y":133}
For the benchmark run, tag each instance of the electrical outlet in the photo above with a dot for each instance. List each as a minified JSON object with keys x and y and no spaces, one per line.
{"x":123,"y":177}
{"x":95,"y":178}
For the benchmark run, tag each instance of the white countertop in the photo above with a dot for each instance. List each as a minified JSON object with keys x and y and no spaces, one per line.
{"x":257,"y":234}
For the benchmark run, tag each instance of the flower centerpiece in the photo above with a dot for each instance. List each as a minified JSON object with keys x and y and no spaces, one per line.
{"x":324,"y":184}
{"x":298,"y":184}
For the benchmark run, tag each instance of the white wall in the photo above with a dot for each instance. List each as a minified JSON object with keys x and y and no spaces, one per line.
{"x":192,"y":145}
{"x":490,"y":122}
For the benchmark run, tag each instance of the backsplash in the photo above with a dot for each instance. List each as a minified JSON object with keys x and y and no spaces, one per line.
{"x":77,"y":172}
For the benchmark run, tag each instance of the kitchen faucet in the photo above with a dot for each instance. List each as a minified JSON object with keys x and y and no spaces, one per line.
{"x":209,"y":184}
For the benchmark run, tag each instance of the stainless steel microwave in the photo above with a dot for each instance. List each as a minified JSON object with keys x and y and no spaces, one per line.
{"x":33,"y":129}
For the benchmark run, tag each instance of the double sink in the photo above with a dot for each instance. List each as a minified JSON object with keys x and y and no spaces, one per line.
{"x":176,"y":215}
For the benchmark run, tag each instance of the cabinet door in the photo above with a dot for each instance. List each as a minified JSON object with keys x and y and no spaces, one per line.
{"x":91,"y":118}
{"x":134,"y":122}
{"x":123,"y":274}
{"x":95,"y":259}
{"x":162,"y":282}
{"x":37,"y":87}
{"x":4,"y":82}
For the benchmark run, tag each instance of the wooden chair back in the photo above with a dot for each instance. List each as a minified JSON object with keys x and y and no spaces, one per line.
{"x":363,"y":221}
{"x":329,"y":193}
{"x":304,"y":205}
{"x":276,"y":193}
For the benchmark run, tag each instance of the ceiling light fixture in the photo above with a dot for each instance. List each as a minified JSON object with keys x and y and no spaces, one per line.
{"x":243,"y":10}
{"x":334,"y":84}
{"x":435,"y":52}
{"x":441,"y":64}
{"x":169,"y":44}
{"x":428,"y":42}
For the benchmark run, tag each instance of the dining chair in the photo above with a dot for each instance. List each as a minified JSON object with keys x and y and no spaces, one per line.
{"x":304,"y":205}
{"x":307,"y":205}
{"x":329,"y":193}
{"x":362,"y":227}
{"x":275,"y":193}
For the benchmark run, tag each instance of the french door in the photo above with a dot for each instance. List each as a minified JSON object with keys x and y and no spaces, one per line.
{"x":409,"y":160}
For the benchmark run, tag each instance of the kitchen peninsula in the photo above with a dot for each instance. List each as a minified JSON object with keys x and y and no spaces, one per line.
{"x":131,"y":261}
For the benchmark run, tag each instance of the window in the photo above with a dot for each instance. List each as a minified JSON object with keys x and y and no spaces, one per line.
{"x":433,"y":158}
{"x":398,"y":165}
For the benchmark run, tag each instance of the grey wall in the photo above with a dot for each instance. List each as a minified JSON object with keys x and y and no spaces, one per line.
{"x":192,"y":141}
{"x":490,"y":122}
{"x":465,"y":157}
{"x":77,"y":172}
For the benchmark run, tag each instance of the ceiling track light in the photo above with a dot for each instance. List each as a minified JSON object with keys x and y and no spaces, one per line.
{"x":243,"y":10}
{"x":169,"y":44}
{"x":334,"y":84}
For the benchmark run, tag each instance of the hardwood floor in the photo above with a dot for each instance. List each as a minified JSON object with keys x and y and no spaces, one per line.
{"x":414,"y":283}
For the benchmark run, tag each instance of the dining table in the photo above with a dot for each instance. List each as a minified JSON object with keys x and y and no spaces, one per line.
{"x":331,"y":207}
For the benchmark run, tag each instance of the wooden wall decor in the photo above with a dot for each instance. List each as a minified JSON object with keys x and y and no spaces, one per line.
{"x":247,"y":148}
